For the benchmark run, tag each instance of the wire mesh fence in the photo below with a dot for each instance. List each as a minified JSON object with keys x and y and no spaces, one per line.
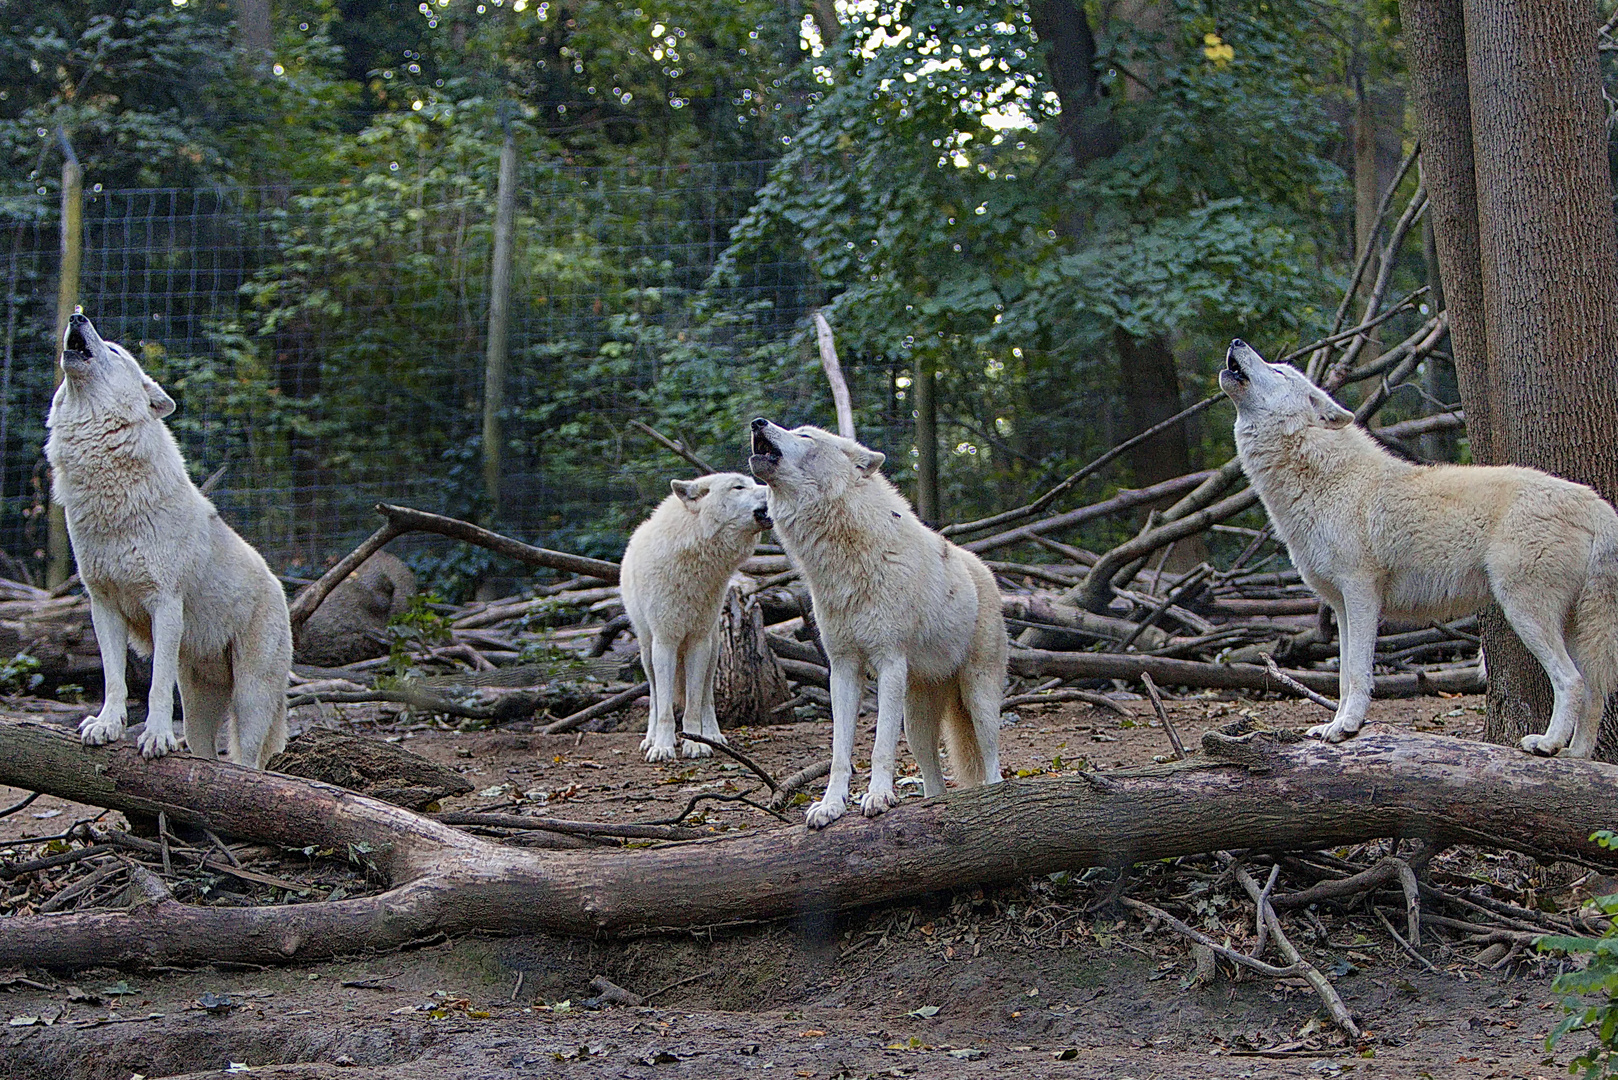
{"x":326,"y":345}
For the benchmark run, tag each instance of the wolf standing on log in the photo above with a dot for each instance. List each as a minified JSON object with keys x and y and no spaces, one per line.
{"x":888,"y":592}
{"x":163,"y":571}
{"x":1375,"y":535}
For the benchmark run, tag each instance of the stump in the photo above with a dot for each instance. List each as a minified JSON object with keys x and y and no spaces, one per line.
{"x":748,"y":683}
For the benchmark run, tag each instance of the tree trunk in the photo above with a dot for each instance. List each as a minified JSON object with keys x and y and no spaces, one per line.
{"x":1435,"y":34}
{"x":1536,"y":345}
{"x":926,"y":392}
{"x":1367,"y":197}
{"x":494,"y":372}
{"x":748,"y":681}
{"x":1254,"y":790}
{"x":253,"y":31}
{"x":59,"y":566}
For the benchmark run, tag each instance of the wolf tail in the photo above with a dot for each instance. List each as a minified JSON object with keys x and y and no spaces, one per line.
{"x":1595,"y":637}
{"x":961,"y":740}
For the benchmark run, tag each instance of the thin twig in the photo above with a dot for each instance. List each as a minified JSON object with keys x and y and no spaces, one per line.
{"x":655,"y":830}
{"x":25,"y":804}
{"x":1311,"y":974}
{"x":743,"y":797}
{"x":677,"y":983}
{"x":1294,"y":685}
{"x":673,"y":445}
{"x":1163,"y":716}
{"x":756,"y":769}
{"x":1054,"y":697}
{"x":1408,"y":948}
{"x":1095,"y":466}
{"x":801,"y":778}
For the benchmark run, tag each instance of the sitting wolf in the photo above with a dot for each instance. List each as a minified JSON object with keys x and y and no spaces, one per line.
{"x":889,"y":592}
{"x":162,"y":570}
{"x":673,"y":579}
{"x":1373,"y":534}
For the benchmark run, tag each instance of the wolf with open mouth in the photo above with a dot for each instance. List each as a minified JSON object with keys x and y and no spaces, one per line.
{"x":891,"y":593}
{"x":164,"y":573}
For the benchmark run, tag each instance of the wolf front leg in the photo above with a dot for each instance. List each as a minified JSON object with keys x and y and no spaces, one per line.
{"x":699,"y":718}
{"x":112,"y":638}
{"x":1358,"y":607}
{"x":660,"y":727}
{"x":168,"y":624}
{"x":892,"y":679}
{"x":846,"y":680}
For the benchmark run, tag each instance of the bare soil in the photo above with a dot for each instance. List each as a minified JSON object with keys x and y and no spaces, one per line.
{"x":1034,"y":979}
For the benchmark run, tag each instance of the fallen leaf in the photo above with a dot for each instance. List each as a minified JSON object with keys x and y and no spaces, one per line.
{"x":924,"y":1012}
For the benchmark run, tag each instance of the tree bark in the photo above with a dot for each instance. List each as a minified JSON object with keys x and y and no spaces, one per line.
{"x":1547,"y":258}
{"x":748,"y":680}
{"x":497,"y":355}
{"x":926,"y":394}
{"x":1151,"y":386}
{"x":1254,"y":790}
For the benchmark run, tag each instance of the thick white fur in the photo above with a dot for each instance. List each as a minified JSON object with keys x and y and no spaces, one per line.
{"x":1375,"y":535}
{"x":163,"y":571}
{"x":889,"y":592}
{"x":673,"y":580}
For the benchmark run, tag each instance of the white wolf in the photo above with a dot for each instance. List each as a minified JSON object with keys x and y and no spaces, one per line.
{"x":1373,"y":534}
{"x":162,"y":570}
{"x":673,"y":579}
{"x":891,"y":593}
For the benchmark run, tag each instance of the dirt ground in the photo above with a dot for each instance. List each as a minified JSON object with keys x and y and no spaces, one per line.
{"x":1034,"y":979}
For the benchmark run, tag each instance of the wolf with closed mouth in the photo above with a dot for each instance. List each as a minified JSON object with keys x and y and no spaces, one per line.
{"x":673,"y":577}
{"x":888,"y":592}
{"x":1375,"y":535}
{"x":164,"y":573}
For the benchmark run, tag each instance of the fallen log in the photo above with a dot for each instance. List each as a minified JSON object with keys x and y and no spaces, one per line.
{"x":1169,"y":671}
{"x":1270,"y":791}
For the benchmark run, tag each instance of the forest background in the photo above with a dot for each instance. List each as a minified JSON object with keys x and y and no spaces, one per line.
{"x":1033,"y":226}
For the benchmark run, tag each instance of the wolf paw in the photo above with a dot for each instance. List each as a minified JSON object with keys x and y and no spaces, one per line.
{"x":1540,"y":745}
{"x":873,"y":803}
{"x":661,"y":753}
{"x":1334,"y":732}
{"x":691,"y":748}
{"x":154,"y":744}
{"x":825,"y":812}
{"x":100,"y":730}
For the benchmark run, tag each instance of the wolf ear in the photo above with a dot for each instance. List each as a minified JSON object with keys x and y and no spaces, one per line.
{"x":689,"y":492}
{"x":1328,"y":412}
{"x":868,"y":461}
{"x":162,"y":404}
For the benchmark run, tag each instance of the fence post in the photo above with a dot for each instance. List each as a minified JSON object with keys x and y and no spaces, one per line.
{"x":494,"y":377}
{"x":59,"y":565}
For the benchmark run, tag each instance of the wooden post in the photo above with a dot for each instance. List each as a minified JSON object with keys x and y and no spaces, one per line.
{"x":834,"y":375}
{"x":494,"y":378}
{"x":927,"y":507}
{"x":59,"y":566}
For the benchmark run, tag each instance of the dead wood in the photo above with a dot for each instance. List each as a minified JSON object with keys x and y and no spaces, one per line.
{"x":841,"y":401}
{"x":673,"y":446}
{"x":1252,"y":790}
{"x":748,"y":682}
{"x":1055,"y":697}
{"x":1091,"y":469}
{"x":1123,"y":501}
{"x":409,"y":520}
{"x":605,"y":707}
{"x":374,"y":767}
{"x":1171,"y":672}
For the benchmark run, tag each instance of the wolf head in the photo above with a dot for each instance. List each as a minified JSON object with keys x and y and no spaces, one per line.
{"x":106,"y":377}
{"x":808,"y":457}
{"x":726,"y":501}
{"x":1276,"y":395}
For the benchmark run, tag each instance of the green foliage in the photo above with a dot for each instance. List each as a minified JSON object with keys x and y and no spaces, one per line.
{"x":414,"y":631}
{"x":20,"y":675}
{"x":1599,"y":976}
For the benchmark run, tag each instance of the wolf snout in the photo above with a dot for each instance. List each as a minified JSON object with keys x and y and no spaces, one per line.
{"x":1233,"y":365}
{"x":761,"y":515}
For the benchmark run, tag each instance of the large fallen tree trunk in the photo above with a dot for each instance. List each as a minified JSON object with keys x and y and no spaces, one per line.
{"x":1271,"y":792}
